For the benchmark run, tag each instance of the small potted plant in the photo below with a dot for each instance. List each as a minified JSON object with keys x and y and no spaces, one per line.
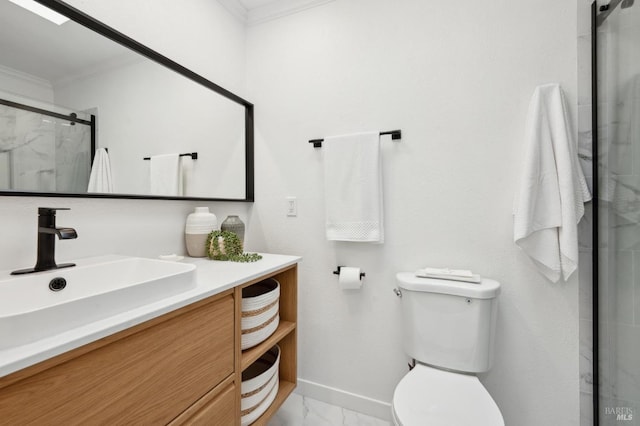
{"x":226,"y":245}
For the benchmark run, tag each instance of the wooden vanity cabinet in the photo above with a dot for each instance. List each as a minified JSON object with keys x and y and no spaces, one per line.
{"x":182,"y":368}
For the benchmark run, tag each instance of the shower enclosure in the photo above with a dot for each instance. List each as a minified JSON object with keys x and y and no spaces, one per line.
{"x":616,"y":213}
{"x":43,"y":150}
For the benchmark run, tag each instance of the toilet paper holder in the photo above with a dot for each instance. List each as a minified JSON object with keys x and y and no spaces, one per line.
{"x":337,"y":272}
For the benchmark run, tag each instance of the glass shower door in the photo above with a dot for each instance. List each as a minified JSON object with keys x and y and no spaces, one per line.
{"x":618,"y":228}
{"x":41,"y":151}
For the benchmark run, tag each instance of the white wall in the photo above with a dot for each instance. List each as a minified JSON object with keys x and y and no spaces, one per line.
{"x":456,"y":77}
{"x":198,"y":34}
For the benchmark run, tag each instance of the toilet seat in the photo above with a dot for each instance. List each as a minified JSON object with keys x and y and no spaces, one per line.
{"x":433,"y":397}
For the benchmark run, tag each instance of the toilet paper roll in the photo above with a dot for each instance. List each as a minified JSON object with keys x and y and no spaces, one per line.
{"x":349,"y":278}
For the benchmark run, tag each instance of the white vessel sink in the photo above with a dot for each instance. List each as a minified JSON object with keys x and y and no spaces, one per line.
{"x":96,"y":288}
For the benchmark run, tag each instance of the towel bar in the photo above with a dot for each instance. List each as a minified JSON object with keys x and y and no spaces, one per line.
{"x":193,"y":155}
{"x":395,"y":135}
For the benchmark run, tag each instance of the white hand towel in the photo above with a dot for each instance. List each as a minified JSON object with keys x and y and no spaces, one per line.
{"x":353,"y":188}
{"x":100,"y":179}
{"x":553,"y":189}
{"x":165,"y":175}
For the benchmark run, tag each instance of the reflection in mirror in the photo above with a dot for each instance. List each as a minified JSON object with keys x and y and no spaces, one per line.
{"x":42,"y":150}
{"x":57,"y":82}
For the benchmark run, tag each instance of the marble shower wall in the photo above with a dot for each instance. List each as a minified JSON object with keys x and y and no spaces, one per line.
{"x":585,"y":226}
{"x":42,"y":153}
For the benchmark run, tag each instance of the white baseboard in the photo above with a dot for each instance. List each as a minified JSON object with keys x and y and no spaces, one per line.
{"x":348,"y":400}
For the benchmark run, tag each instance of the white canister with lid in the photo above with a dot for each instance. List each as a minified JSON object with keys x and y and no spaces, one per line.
{"x":199,"y":224}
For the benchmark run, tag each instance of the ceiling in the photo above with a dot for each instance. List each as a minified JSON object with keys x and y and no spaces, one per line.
{"x":70,"y":49}
{"x":252,"y":12}
{"x":27,"y":42}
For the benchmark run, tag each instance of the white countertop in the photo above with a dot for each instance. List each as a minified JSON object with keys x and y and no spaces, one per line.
{"x":213,"y":277}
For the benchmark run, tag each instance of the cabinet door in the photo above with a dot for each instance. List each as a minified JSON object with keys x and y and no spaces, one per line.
{"x":146,"y":378}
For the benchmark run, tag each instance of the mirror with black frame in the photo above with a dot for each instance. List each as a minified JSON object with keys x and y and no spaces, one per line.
{"x":87,"y":111}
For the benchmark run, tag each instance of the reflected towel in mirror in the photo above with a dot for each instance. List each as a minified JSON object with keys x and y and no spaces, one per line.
{"x":100,"y":179}
{"x":165,"y":175}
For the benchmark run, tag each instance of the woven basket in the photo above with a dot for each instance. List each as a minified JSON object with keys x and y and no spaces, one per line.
{"x":260,"y":312}
{"x":259,"y":386}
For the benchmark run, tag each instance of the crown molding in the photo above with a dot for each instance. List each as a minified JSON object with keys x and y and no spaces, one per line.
{"x":270,"y":11}
{"x":280,"y":8}
{"x":235,"y":8}
{"x":29,"y":78}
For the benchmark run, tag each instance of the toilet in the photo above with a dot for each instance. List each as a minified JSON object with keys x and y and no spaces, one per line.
{"x":448,"y":329}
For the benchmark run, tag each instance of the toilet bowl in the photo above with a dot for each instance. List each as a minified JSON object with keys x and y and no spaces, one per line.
{"x":428,"y":396}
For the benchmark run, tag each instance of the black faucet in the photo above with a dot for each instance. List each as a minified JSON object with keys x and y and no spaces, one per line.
{"x":47,"y":232}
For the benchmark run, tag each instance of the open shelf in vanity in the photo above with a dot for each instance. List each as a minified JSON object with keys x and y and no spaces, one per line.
{"x":285,"y":336}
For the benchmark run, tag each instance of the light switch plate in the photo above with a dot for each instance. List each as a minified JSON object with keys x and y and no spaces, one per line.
{"x":292,"y":206}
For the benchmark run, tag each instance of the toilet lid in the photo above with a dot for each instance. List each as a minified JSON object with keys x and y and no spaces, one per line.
{"x":428,"y":396}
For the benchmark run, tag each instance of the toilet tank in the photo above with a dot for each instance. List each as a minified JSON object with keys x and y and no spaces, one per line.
{"x":449,"y":324}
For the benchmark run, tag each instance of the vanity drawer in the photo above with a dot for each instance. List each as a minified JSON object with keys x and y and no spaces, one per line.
{"x":217,"y":408}
{"x":144,"y":378}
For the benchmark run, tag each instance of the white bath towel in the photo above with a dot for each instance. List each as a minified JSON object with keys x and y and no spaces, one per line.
{"x":553,"y":189}
{"x":165,"y":175}
{"x":100,"y":179}
{"x":353,"y":188}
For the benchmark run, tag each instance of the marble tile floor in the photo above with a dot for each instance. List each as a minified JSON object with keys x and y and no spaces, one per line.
{"x":304,"y":411}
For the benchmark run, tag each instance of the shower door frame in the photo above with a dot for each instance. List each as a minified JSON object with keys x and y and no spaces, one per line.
{"x":595,"y":373}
